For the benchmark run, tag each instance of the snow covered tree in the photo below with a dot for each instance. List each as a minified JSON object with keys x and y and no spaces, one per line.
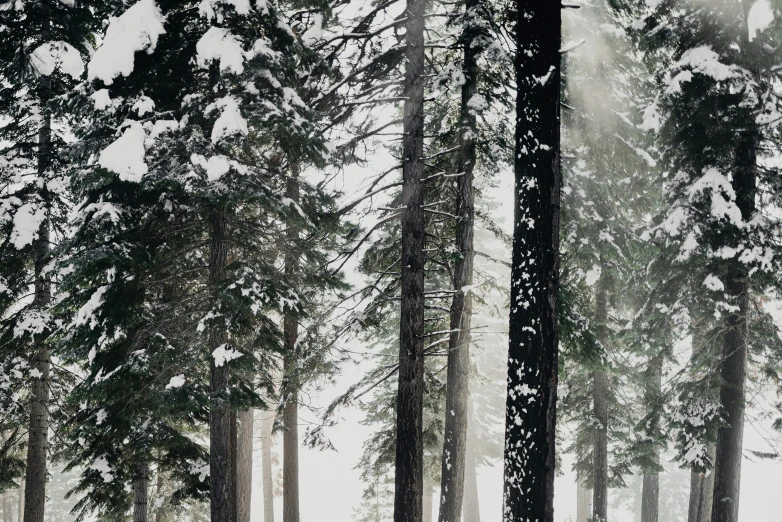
{"x":41,"y":58}
{"x":716,"y":124}
{"x":206,"y":100}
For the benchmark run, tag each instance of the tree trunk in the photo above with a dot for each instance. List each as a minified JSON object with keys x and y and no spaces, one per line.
{"x":38,"y":433}
{"x":267,"y":425}
{"x":530,"y":410}
{"x":290,"y":437}
{"x":220,"y":471}
{"x":234,"y":467}
{"x":701,"y":492}
{"x":427,"y":501}
{"x":733,"y":367}
{"x":650,"y":493}
{"x":290,"y":460}
{"x":456,"y":401}
{"x":583,"y":501}
{"x":408,"y":481}
{"x":140,"y":485}
{"x":471,"y":511}
{"x":159,"y":515}
{"x":244,"y":469}
{"x":600,"y":447}
{"x":601,"y":393}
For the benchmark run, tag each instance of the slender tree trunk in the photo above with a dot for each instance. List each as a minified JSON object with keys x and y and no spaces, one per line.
{"x":583,"y":501}
{"x":408,"y":484}
{"x":220,"y":471}
{"x":234,"y":467}
{"x":457,"y":394}
{"x":733,"y":367}
{"x":38,"y":433}
{"x":601,"y":394}
{"x":267,"y":425}
{"x":701,"y":484}
{"x":427,"y":501}
{"x":650,"y":493}
{"x":530,"y":410}
{"x":290,"y":461}
{"x":471,"y":511}
{"x":290,"y":438}
{"x":244,"y":469}
{"x":159,"y":510}
{"x":140,"y":486}
{"x":702,"y":492}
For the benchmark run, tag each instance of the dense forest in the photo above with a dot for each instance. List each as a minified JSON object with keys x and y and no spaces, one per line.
{"x":303,"y":260}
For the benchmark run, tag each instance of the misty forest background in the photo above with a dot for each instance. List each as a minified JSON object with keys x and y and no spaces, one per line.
{"x":428,"y":259}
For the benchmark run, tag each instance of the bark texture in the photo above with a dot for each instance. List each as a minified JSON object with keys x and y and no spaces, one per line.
{"x":600,"y":399}
{"x":267,"y":424}
{"x":290,"y":437}
{"x":38,"y":433}
{"x":220,"y":470}
{"x":701,"y":493}
{"x":290,"y":461}
{"x":244,"y":468}
{"x":140,"y":486}
{"x":650,"y":490}
{"x":530,"y":411}
{"x":457,"y":394}
{"x":583,"y":501}
{"x":471,"y":510}
{"x":408,"y":482}
{"x":733,"y":367}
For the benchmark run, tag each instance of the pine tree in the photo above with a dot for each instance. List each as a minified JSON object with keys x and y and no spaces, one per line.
{"x":714,"y":122}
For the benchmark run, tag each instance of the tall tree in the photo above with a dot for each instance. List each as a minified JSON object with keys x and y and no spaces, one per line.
{"x":40,"y":59}
{"x":530,"y":417}
{"x":457,"y":384}
{"x":408,"y":487}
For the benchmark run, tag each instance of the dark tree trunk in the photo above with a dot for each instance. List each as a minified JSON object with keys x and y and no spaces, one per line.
{"x":408,"y":485}
{"x":455,"y":433}
{"x":220,"y":471}
{"x":267,"y":425}
{"x":600,"y":397}
{"x":733,"y":368}
{"x":140,"y":485}
{"x":530,"y":411}
{"x":471,"y":511}
{"x":38,"y":433}
{"x":244,"y":468}
{"x":650,"y":492}
{"x":290,"y":437}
